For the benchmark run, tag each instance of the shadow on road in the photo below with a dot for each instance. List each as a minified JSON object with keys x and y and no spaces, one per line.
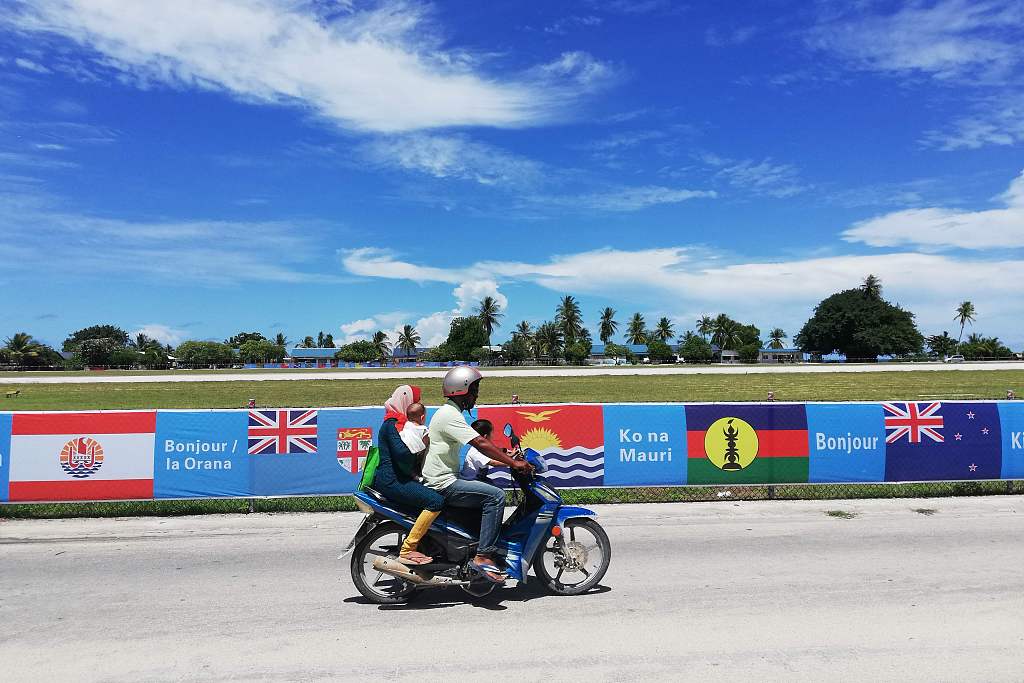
{"x":441,"y":598}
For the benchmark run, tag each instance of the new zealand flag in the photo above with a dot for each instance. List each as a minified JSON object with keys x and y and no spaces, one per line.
{"x":929,"y":441}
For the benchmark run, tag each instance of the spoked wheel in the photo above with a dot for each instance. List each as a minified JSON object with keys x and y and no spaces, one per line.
{"x":575,"y":561}
{"x":376,"y":586}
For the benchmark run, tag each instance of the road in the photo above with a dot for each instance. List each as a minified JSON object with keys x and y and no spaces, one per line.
{"x":701,"y":591}
{"x":286,"y":375}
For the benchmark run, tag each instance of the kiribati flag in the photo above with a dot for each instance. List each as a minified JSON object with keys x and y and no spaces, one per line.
{"x":930,"y":440}
{"x":746,"y":444}
{"x":571,"y":438}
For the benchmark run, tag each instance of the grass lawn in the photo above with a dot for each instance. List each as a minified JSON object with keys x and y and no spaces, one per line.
{"x":865,"y":386}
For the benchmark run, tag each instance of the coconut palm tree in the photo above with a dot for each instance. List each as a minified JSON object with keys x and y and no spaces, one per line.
{"x":489,"y":313}
{"x":408,"y":339}
{"x":776,"y":336}
{"x":569,"y":318}
{"x":705,"y":326}
{"x":320,"y":340}
{"x":281,"y":340}
{"x":547,"y":340}
{"x":664,"y":330}
{"x":637,"y":332}
{"x":608,"y":326}
{"x":726,"y":332}
{"x":307,"y":343}
{"x":524,"y":330}
{"x":22,"y":349}
{"x":872,"y":287}
{"x":965,"y":313}
{"x":381,"y":345}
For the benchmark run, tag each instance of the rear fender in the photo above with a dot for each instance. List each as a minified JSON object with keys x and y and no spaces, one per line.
{"x":368,"y":524}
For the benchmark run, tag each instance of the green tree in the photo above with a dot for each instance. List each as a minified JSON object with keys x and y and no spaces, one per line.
{"x":22,"y":350}
{"x":524,"y":331}
{"x":978,"y":347}
{"x":382,"y":344}
{"x":705,"y":326}
{"x":547,"y":340}
{"x":658,"y":351}
{"x":608,"y":326}
{"x":204,"y":353}
{"x":619,"y":351}
{"x":328,"y":341}
{"x":726,"y":333}
{"x":237,"y":340}
{"x":637,"y":332}
{"x":117,"y":336}
{"x":307,"y":343}
{"x":941,"y":345}
{"x":260,"y":351}
{"x":872,"y":287}
{"x":695,"y":349}
{"x":362,"y":351}
{"x":489,"y":314}
{"x":408,"y":340}
{"x":859,"y":326}
{"x":281,"y":340}
{"x":965,"y":313}
{"x":664,"y":330}
{"x":517,"y":350}
{"x":465,"y":337}
{"x":749,"y":353}
{"x":776,"y":336}
{"x":569,"y":318}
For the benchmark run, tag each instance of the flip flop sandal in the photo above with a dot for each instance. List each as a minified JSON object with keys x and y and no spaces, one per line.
{"x":421,"y":559}
{"x":489,"y":572}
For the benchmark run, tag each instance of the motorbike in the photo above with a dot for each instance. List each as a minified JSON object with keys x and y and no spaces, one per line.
{"x":565,"y":546}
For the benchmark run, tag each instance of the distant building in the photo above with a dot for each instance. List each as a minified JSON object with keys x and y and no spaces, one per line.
{"x":781,"y":356}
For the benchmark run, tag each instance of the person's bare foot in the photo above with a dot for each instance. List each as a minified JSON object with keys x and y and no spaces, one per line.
{"x":415,"y":557}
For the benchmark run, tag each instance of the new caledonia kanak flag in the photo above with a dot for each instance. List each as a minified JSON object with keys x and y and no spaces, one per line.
{"x":746,"y":444}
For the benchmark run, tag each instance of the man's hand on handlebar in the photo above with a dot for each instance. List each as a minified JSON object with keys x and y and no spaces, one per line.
{"x":522,"y":466}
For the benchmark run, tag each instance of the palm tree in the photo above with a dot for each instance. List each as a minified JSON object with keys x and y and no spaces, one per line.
{"x":320,"y":340}
{"x":965,"y":313}
{"x":569,"y":318}
{"x":489,"y":313}
{"x":328,"y":341}
{"x":21,"y":348}
{"x":664,"y":331}
{"x":381,"y":344}
{"x":523,"y":330}
{"x":872,"y":287}
{"x":705,"y":326}
{"x":608,"y":326}
{"x":408,"y":339}
{"x":547,"y":340}
{"x":637,"y":332}
{"x":281,"y":340}
{"x":726,"y":333}
{"x":776,"y":336}
{"x":307,"y":343}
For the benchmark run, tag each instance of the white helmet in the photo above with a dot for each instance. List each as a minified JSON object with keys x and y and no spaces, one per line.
{"x":457,"y":380}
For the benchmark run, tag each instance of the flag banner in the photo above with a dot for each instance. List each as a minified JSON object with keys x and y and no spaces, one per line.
{"x":1011,"y":419}
{"x":339,"y":436}
{"x":645,"y":445}
{"x":847,"y":442}
{"x":201,"y":454}
{"x":569,"y":437}
{"x":932,"y":440}
{"x":747,"y":444}
{"x":5,"y":454}
{"x":82,"y":456}
{"x":121,"y":455}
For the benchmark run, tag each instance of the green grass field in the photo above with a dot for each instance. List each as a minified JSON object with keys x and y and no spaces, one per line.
{"x":948,"y":385}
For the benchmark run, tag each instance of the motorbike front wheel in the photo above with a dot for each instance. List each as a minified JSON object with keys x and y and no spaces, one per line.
{"x":376,"y":586}
{"x":575,"y":561}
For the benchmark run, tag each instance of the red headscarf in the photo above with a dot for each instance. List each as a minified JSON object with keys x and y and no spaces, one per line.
{"x":398,"y":404}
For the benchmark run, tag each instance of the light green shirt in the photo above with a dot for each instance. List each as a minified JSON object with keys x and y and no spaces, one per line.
{"x":449,"y":432}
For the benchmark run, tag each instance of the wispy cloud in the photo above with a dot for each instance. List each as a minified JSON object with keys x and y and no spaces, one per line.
{"x":997,"y":121}
{"x":625,"y":199}
{"x":719,"y":37}
{"x":941,"y":228}
{"x":381,"y":69}
{"x":563,"y":26}
{"x":764,"y":178}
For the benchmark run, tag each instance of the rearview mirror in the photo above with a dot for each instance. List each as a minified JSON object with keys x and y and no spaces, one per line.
{"x":511,"y":434}
{"x":508,"y":430}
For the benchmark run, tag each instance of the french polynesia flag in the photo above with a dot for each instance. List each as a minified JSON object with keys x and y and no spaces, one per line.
{"x":82,"y":456}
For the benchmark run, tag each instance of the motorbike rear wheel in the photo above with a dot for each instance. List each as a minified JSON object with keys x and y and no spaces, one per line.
{"x":376,"y":586}
{"x":575,"y":561}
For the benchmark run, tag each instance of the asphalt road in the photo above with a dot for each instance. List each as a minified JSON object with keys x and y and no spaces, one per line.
{"x":698,"y":591}
{"x":291,"y":375}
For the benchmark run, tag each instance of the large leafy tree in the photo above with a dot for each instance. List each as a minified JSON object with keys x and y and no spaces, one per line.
{"x":776,"y":336}
{"x":489,"y":314}
{"x":695,"y":349}
{"x":965,"y":313}
{"x":637,"y":331}
{"x":664,"y":330}
{"x":658,"y":351}
{"x":608,"y":326}
{"x":860,"y":326}
{"x":941,"y":345}
{"x":237,"y":340}
{"x":465,"y":339}
{"x":408,"y":339}
{"x":569,"y":318}
{"x":117,"y":336}
{"x":204,"y":353}
{"x":362,"y":351}
{"x":260,"y":351}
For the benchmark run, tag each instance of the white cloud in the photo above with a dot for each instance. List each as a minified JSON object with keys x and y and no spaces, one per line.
{"x":469,"y":294}
{"x":383,"y":69}
{"x":948,"y":39}
{"x":996,"y":121}
{"x":763,"y":178}
{"x":937,"y":228}
{"x":624,"y":199}
{"x":162,"y":333}
{"x":29,"y":65}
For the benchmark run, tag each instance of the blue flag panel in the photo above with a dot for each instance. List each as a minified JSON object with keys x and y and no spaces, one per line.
{"x":847,"y":442}
{"x":200,"y":455}
{"x":644,"y":445}
{"x":5,"y":455}
{"x":929,"y":441}
{"x":1011,"y":417}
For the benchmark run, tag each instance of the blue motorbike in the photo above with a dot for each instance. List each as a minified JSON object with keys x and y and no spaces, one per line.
{"x":565,"y":546}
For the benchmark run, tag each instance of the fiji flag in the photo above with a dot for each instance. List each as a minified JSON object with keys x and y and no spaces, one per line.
{"x":928,"y":441}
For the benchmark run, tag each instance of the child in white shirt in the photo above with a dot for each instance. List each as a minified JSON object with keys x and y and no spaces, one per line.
{"x":414,"y":435}
{"x":476,"y":463}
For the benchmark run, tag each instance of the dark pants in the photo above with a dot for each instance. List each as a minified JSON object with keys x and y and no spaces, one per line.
{"x":490,"y":500}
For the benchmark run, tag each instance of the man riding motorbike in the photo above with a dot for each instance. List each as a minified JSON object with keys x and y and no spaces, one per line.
{"x":449,"y":432}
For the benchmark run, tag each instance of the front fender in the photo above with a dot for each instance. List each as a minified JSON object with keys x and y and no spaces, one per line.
{"x":568,"y":512}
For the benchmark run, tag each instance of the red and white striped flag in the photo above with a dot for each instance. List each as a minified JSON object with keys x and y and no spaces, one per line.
{"x":82,"y":456}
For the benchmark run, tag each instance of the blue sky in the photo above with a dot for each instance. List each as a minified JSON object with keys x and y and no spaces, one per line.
{"x":194,"y":169}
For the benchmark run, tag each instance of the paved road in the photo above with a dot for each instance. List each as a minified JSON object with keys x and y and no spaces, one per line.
{"x":283,"y":375}
{"x":702,"y":591}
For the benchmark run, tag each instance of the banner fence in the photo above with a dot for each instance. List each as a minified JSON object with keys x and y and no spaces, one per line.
{"x":267,"y":452}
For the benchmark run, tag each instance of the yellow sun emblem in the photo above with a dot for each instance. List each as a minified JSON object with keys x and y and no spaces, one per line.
{"x":540,"y":439}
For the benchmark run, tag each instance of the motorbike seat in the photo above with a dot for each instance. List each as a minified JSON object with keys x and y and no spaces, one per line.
{"x":383,"y":500}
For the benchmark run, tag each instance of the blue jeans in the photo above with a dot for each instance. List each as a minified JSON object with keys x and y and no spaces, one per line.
{"x":490,"y":500}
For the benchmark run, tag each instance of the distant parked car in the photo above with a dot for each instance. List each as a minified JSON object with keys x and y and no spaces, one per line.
{"x":955,"y":359}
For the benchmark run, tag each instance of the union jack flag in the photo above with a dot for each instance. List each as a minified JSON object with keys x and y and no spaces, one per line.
{"x":282,"y":431}
{"x":913,"y":421}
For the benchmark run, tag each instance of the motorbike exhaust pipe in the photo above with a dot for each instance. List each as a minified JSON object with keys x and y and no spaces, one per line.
{"x":393,"y":567}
